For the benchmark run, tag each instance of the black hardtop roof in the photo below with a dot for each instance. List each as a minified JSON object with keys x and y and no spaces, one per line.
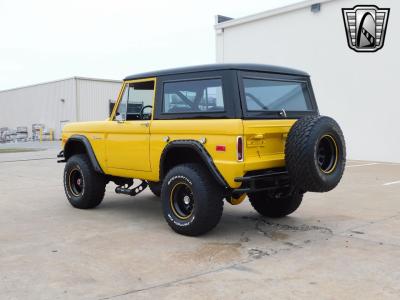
{"x":215,"y":67}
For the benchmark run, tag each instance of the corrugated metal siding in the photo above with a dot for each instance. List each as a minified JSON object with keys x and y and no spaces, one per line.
{"x":39,"y":104}
{"x":94,"y":97}
{"x":42,"y":103}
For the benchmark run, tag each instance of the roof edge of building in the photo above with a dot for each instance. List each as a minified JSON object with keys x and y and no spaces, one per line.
{"x":97,"y":79}
{"x":268,"y":13}
{"x":63,"y":79}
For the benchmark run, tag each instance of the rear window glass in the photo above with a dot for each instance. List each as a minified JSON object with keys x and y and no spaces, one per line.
{"x":274,"y":95}
{"x":193,"y":96}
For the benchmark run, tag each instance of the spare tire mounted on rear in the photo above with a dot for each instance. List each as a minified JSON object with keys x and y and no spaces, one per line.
{"x":315,"y":154}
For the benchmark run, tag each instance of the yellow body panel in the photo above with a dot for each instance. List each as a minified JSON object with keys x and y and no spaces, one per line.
{"x":265,"y":143}
{"x":216,"y":132}
{"x":95,"y":132}
{"x":127,"y":141}
{"x":133,"y":149}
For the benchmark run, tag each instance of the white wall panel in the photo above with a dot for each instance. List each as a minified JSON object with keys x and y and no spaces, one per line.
{"x":94,"y":97}
{"x":38,"y":104}
{"x":84,"y":100}
{"x":360,"y":90}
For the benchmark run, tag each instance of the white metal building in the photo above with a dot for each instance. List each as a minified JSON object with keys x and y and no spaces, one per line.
{"x":359,"y":90}
{"x":56,"y":103}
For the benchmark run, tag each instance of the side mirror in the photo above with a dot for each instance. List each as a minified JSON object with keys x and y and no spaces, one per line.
{"x":119,"y":118}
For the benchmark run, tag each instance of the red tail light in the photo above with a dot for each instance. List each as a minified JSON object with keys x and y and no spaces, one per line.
{"x":239,"y":148}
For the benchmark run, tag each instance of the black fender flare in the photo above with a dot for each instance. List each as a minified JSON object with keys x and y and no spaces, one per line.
{"x":88,"y":147}
{"x":199,"y":148}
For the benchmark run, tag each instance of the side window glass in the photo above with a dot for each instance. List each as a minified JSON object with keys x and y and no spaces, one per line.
{"x":276,"y":95}
{"x":193,"y":96}
{"x":121,"y":111}
{"x":136,"y":97}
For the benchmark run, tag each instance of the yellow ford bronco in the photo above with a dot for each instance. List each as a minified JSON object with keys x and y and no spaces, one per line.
{"x":199,"y":136}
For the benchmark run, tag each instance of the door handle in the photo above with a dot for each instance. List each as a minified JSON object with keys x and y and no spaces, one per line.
{"x":145,"y":124}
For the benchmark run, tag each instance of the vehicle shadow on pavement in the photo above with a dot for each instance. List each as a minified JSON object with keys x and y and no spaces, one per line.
{"x":143,"y":206}
{"x":238,"y":224}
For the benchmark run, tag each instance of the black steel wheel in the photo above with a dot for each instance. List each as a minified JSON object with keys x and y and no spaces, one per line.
{"x":192,"y":201}
{"x":275,"y":204}
{"x":315,"y":154}
{"x":182,"y":200}
{"x":76,"y":183}
{"x":83,"y":186}
{"x":327,"y":154}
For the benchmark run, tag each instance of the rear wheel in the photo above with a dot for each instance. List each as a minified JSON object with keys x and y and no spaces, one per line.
{"x":275,"y":205}
{"x":192,"y":202}
{"x":155,"y":187}
{"x":83,"y":186}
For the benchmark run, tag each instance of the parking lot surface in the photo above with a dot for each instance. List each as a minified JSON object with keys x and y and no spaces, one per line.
{"x":341,"y":244}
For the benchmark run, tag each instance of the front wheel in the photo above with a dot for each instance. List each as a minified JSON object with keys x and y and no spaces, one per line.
{"x":83,"y":186}
{"x":192,"y":202}
{"x":275,"y":205}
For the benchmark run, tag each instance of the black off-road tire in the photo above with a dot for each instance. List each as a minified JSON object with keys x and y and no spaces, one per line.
{"x":93,"y":184}
{"x":275,"y":206}
{"x":310,"y":168}
{"x":206,"y":197}
{"x":155,"y":187}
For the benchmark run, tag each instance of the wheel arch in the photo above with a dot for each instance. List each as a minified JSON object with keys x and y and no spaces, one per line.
{"x":79,"y":144}
{"x":188,"y":151}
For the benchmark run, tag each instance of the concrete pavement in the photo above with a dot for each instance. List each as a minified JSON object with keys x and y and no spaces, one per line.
{"x":342,"y":244}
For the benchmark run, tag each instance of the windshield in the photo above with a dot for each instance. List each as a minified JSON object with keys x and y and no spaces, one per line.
{"x":274,"y":95}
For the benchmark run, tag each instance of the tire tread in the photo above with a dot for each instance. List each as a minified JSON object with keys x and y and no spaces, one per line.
{"x":95,"y":183}
{"x":299,"y":154}
{"x":208,"y":191}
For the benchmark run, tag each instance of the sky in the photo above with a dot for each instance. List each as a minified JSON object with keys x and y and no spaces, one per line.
{"x":45,"y":40}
